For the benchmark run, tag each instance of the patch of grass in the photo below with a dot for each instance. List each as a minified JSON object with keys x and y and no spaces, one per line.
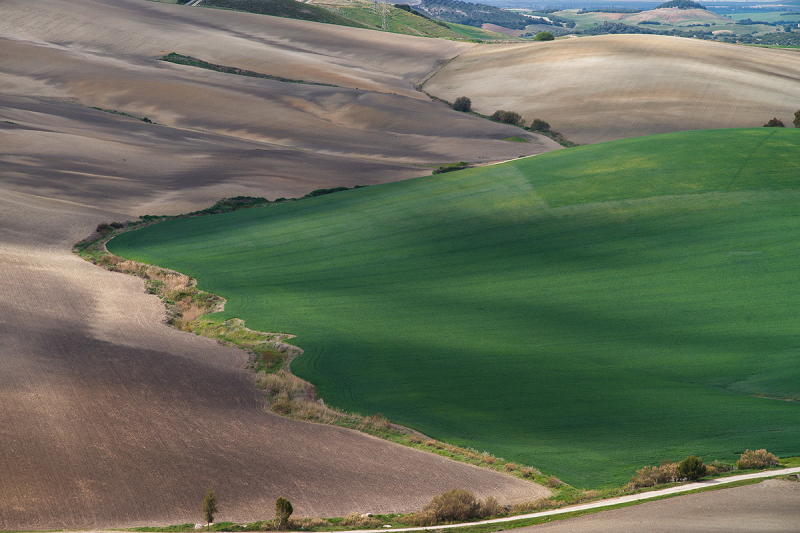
{"x":283,"y":8}
{"x":179,"y":59}
{"x":516,"y":139}
{"x":547,"y":309}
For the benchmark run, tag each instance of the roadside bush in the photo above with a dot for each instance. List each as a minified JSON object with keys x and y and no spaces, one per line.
{"x":532,"y":506}
{"x":544,"y":36}
{"x":539,"y":125}
{"x":554,"y":482}
{"x":462,"y":104}
{"x":507,"y":117}
{"x":796,"y":120}
{"x":774,"y":123}
{"x":491,"y":507}
{"x":650,"y":476}
{"x":457,"y":505}
{"x":692,"y":468}
{"x":756,"y":459}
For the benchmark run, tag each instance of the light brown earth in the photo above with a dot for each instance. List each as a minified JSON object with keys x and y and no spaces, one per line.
{"x":770,"y":506}
{"x":595,"y":89}
{"x":674,"y":15}
{"x":108,"y":418}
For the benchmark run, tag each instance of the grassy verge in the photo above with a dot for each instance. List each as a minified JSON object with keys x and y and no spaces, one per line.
{"x":179,"y":59}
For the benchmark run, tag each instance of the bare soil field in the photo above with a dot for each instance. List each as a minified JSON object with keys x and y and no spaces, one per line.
{"x":108,"y":418}
{"x":104,"y":54}
{"x":595,"y":89}
{"x":769,"y":506}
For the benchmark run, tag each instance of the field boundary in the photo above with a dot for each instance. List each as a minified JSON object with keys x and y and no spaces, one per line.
{"x":611,"y":502}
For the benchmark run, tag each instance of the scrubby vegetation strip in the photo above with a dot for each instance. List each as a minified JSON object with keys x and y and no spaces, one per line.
{"x":179,"y":59}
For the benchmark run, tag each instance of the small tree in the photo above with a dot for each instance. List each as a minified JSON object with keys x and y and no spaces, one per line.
{"x":283,"y":510}
{"x":462,"y":104}
{"x":796,"y":120}
{"x":543,"y":36}
{"x":209,"y":507}
{"x":692,"y":467}
{"x":507,"y":117}
{"x":540,"y":125}
{"x":774,"y":123}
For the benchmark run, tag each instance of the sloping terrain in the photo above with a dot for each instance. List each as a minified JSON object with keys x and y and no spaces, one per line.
{"x":108,"y":417}
{"x":674,"y":15}
{"x":104,"y":54}
{"x":595,"y":89}
{"x":587,"y":311}
{"x":768,"y":507}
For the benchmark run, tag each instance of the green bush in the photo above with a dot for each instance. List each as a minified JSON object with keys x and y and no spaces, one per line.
{"x":544,"y":36}
{"x":462,"y":104}
{"x":539,"y":125}
{"x":692,"y":468}
{"x":283,"y":510}
{"x":796,"y":120}
{"x":507,"y":117}
{"x":774,"y":123}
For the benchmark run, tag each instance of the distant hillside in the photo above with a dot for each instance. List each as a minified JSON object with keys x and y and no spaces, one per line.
{"x":284,"y":8}
{"x":681,"y":4}
{"x":472,"y":14}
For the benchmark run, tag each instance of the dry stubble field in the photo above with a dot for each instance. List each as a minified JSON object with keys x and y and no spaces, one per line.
{"x":107,"y":417}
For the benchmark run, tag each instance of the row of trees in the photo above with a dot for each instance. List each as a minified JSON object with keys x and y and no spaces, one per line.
{"x":464,"y":104}
{"x":778,"y":123}
{"x":283,"y":510}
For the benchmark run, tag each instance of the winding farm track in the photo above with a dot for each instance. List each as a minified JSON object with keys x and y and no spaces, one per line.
{"x":108,"y":418}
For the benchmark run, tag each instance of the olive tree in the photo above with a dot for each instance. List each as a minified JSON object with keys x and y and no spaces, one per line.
{"x":283,"y":510}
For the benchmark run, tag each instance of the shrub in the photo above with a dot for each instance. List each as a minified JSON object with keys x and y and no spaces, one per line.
{"x":543,"y":36}
{"x":554,"y":482}
{"x":457,"y":505}
{"x":692,"y":468}
{"x":756,"y":459}
{"x":774,"y":123}
{"x":650,"y":476}
{"x":796,"y":120}
{"x":507,"y":117}
{"x":462,"y":104}
{"x":490,"y":507}
{"x":540,"y":125}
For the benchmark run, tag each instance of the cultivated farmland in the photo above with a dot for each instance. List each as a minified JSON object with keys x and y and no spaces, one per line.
{"x":619,"y":86}
{"x":587,"y":311}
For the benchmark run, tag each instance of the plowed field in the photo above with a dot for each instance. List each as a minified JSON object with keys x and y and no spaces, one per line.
{"x":107,"y":417}
{"x":595,"y":89}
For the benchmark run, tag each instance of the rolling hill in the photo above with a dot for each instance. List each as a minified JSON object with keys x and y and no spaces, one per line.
{"x":587,"y":312}
{"x":595,"y":89}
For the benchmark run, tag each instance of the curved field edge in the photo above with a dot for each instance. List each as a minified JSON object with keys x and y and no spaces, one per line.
{"x":499,"y":523}
{"x":269,"y":356}
{"x":599,"y":206}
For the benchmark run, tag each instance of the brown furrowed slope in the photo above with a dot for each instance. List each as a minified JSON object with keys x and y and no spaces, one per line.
{"x":595,"y":89}
{"x":110,"y":418}
{"x":105,"y":54}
